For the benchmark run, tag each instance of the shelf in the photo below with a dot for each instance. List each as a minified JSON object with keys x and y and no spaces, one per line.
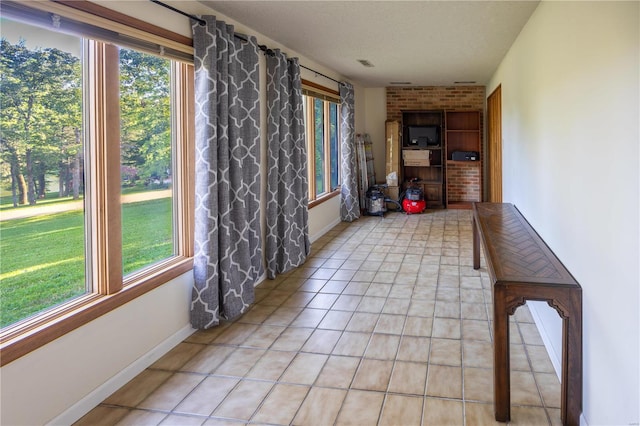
{"x":432,"y":148}
{"x":463,"y":131}
{"x":463,"y":205}
{"x":466,"y":163}
{"x":426,"y":182}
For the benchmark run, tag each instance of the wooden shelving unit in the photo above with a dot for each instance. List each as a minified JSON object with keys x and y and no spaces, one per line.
{"x":430,"y":178}
{"x":463,"y":133}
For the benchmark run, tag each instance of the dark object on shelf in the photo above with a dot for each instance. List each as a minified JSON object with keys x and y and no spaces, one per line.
{"x":465,"y":156}
{"x":423,"y":136}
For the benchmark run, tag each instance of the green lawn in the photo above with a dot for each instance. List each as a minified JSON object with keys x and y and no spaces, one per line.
{"x":42,"y":258}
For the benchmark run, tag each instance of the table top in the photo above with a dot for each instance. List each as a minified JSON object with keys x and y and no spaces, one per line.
{"x":515,"y":252}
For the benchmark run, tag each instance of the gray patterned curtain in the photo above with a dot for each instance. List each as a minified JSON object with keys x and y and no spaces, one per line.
{"x":287,"y":244}
{"x":228,"y":253}
{"x":349,"y":204}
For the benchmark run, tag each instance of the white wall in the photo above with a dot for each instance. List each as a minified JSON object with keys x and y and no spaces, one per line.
{"x":570,"y":155}
{"x":78,"y":370}
{"x":375,"y":110}
{"x":64,"y":379}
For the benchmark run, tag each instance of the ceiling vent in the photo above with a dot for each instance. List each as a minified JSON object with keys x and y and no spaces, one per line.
{"x":400,"y":83}
{"x":366,"y":63}
{"x":464,"y":82}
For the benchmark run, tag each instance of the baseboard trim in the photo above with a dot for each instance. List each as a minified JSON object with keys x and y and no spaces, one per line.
{"x":86,"y":404}
{"x":329,"y":227}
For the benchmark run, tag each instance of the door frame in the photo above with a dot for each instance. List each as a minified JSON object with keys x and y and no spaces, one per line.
{"x":494,"y":146}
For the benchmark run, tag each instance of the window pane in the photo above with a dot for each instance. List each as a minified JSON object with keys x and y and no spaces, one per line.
{"x":333,"y":143}
{"x":146,"y":170}
{"x":42,"y":184}
{"x":319,"y":144}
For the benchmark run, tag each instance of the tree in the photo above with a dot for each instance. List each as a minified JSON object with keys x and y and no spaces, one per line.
{"x":145,"y":113}
{"x":40,"y":114}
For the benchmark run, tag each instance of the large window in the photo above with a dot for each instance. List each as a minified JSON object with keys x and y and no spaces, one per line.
{"x":322,"y":132}
{"x":94,"y":182}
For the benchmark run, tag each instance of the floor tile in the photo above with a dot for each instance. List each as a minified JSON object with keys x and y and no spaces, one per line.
{"x":240,"y":362}
{"x":304,"y":369}
{"x":401,"y":410}
{"x":478,"y":414}
{"x":446,"y":328}
{"x":103,"y":415}
{"x":132,"y":394}
{"x":170,"y":393}
{"x":408,"y":378}
{"x":177,"y":357}
{"x":263,"y":336}
{"x":322,"y":341}
{"x":292,"y":339}
{"x":373,"y":375}
{"x":444,"y":381}
{"x":390,"y":324}
{"x":141,"y":418}
{"x":549,"y":386}
{"x":478,"y":384}
{"x":445,"y":352}
{"x":387,"y":322}
{"x":207,"y":395}
{"x":360,"y":408}
{"x":271,"y":365}
{"x":414,"y":348}
{"x":523,"y":389}
{"x":243,"y":400}
{"x":281,"y":405}
{"x":352,"y":344}
{"x":338,"y":372}
{"x":182,"y":420}
{"x":320,"y":407}
{"x":439,"y":412}
{"x":418,"y":326}
{"x":382,"y":346}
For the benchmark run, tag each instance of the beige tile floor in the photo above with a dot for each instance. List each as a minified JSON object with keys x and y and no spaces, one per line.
{"x":386,"y":323}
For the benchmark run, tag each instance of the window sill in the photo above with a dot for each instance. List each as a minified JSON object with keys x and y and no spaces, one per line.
{"x":324,"y":197}
{"x":29,"y":335}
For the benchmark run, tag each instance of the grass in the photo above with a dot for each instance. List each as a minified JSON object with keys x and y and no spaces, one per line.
{"x":42,"y":258}
{"x":6,"y":202}
{"x":6,"y":199}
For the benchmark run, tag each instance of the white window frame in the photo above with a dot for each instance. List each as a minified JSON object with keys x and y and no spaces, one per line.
{"x":312,"y":92}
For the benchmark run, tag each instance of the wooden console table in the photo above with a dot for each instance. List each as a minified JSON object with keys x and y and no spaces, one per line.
{"x":522,"y":268}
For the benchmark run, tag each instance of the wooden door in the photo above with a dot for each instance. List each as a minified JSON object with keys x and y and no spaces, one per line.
{"x":494,"y":145}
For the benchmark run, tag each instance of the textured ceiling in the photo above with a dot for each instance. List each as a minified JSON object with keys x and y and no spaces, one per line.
{"x":421,"y":42}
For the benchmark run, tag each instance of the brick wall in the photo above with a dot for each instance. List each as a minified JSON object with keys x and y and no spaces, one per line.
{"x":464,"y":182}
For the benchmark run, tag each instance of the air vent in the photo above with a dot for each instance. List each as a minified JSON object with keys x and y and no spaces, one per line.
{"x":400,"y":83}
{"x":366,"y":63}
{"x":464,"y":82}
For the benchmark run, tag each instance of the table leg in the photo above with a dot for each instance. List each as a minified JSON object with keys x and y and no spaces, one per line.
{"x":476,"y":245}
{"x":571,"y":404}
{"x":501,"y":368}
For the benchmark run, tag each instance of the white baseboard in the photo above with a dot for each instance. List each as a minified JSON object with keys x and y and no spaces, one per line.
{"x":329,"y":227}
{"x":86,"y":404}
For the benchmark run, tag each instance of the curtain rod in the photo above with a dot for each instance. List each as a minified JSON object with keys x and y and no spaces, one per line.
{"x":262,"y":47}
